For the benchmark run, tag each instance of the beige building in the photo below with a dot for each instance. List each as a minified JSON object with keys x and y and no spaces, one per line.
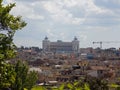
{"x":60,"y":46}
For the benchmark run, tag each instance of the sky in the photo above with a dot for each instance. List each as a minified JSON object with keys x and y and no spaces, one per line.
{"x":88,"y":20}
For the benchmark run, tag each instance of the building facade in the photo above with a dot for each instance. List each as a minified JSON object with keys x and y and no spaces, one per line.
{"x":60,"y":46}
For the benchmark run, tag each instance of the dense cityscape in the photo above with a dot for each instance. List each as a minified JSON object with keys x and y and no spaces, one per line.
{"x":58,"y":62}
{"x":54,"y":50}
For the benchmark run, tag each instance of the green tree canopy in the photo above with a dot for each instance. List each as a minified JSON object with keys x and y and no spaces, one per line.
{"x":9,"y":24}
{"x":24,"y":78}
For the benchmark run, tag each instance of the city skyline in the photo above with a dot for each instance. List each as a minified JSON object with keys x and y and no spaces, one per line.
{"x":88,"y":20}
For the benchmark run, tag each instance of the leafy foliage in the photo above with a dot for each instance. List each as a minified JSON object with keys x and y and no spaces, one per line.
{"x":115,"y":86}
{"x":23,"y":78}
{"x":96,"y":83}
{"x":38,"y":88}
{"x":66,"y":86}
{"x":20,"y":78}
{"x":31,"y":79}
{"x":7,"y":78}
{"x":9,"y":24}
{"x":78,"y":85}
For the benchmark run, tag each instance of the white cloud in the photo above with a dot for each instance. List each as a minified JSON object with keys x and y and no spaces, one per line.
{"x":63,"y":19}
{"x":83,"y":37}
{"x":26,"y":41}
{"x":88,"y":5}
{"x":50,"y":33}
{"x":113,"y":1}
{"x":68,"y":3}
{"x":60,"y":14}
{"x":35,"y":17}
{"x":26,"y":11}
{"x":63,"y":36}
{"x":9,"y":1}
{"x":57,"y":35}
{"x":91,"y":7}
{"x":59,"y":10}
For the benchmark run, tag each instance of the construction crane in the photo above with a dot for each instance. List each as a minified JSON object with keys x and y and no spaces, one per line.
{"x":101,"y":42}
{"x":98,"y":43}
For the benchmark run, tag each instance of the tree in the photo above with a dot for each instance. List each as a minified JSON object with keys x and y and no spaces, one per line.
{"x":31,"y":80}
{"x":23,"y":78}
{"x":7,"y":75}
{"x":96,"y":83}
{"x":9,"y":24}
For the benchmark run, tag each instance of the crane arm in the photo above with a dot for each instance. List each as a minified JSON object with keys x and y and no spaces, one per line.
{"x":101,"y":42}
{"x":98,"y":43}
